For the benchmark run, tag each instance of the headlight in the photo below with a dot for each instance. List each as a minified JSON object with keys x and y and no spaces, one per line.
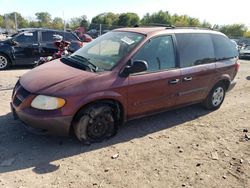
{"x":43,"y":102}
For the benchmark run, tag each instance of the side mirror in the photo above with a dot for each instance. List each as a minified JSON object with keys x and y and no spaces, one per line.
{"x":136,"y":67}
{"x":13,"y":42}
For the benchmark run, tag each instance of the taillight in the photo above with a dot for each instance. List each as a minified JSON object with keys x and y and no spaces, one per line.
{"x":237,"y":65}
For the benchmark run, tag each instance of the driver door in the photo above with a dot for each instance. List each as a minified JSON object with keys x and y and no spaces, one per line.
{"x":26,"y":51}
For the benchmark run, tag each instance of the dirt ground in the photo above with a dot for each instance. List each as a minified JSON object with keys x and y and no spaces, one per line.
{"x":188,"y":147}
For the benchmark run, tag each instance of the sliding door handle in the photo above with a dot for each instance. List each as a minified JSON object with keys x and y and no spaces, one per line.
{"x":189,"y":78}
{"x":174,"y":81}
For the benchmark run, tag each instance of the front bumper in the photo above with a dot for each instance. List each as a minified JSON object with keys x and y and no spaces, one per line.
{"x":232,"y":85}
{"x":59,"y":126}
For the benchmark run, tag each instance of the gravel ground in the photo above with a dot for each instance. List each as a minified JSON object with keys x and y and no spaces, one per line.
{"x":188,"y":147}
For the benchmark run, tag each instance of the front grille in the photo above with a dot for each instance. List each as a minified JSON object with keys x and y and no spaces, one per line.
{"x":19,"y":94}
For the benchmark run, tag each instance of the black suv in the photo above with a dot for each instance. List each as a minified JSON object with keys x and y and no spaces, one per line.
{"x":26,"y":47}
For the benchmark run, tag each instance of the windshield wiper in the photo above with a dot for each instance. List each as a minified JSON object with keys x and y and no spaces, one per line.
{"x":73,"y":63}
{"x":81,"y":59}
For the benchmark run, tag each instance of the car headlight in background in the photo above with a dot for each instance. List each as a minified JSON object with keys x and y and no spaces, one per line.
{"x":43,"y":102}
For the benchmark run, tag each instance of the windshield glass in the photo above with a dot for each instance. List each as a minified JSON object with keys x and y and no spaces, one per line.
{"x":107,"y":50}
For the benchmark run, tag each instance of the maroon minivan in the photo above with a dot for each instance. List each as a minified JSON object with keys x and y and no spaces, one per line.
{"x":125,"y":74}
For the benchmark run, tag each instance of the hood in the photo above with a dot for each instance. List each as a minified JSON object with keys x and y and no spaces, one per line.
{"x":53,"y":74}
{"x":4,"y":41}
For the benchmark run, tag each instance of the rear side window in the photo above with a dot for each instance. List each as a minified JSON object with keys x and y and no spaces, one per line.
{"x":47,"y":36}
{"x":69,"y":36}
{"x":158,"y":53}
{"x":224,"y":48}
{"x":195,"y":49}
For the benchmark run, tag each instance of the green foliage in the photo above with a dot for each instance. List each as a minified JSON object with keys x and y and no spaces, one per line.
{"x":44,"y":19}
{"x":110,"y":20}
{"x":79,"y":22}
{"x":247,"y":34}
{"x":235,"y":30}
{"x":10,"y":20}
{"x":1,"y":21}
{"x":128,"y":19}
{"x":57,"y":23}
{"x":107,"y":19}
{"x":75,"y":22}
{"x":159,"y":18}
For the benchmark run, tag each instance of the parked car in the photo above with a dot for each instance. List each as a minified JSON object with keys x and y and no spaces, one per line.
{"x":125,"y":74}
{"x":28,"y":46}
{"x":85,"y":38}
{"x":244,"y":52}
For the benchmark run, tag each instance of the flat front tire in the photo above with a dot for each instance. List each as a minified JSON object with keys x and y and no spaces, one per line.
{"x":95,"y":123}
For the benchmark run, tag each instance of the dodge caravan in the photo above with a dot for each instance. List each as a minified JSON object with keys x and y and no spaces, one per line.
{"x":125,"y":74}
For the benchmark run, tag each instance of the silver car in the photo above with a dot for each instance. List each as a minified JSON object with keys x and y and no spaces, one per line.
{"x":244,"y":52}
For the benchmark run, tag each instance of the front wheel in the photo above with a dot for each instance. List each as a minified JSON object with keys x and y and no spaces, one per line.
{"x":4,"y":62}
{"x":95,"y":123}
{"x":216,"y":97}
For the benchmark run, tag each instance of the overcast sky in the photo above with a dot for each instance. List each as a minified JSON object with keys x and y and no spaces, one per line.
{"x":213,"y":11}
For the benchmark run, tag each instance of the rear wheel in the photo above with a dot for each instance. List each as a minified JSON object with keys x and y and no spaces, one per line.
{"x":4,"y":62}
{"x":215,"y":97}
{"x":95,"y":123}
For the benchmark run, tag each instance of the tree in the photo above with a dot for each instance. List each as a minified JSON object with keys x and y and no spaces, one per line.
{"x":57,"y":23}
{"x":128,"y":19}
{"x":206,"y":24}
{"x":44,"y":19}
{"x":1,"y":21}
{"x":247,"y":34}
{"x":107,"y":19}
{"x":79,"y":22}
{"x":157,"y":18}
{"x":84,"y":22}
{"x":234,"y":30}
{"x":75,"y":22}
{"x":21,"y":22}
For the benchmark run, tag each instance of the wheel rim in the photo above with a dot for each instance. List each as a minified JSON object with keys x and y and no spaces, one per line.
{"x":218,"y":96}
{"x":99,"y":126}
{"x":3,"y":62}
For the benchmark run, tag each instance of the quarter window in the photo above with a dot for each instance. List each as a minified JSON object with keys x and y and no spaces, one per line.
{"x":195,"y":49}
{"x":158,"y":53}
{"x":224,"y":48}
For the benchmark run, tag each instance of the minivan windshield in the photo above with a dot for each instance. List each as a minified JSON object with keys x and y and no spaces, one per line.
{"x":106,"y":51}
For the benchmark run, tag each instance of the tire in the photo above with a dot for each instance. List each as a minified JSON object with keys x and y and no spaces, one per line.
{"x":4,"y":62}
{"x":216,"y":97}
{"x":95,"y":123}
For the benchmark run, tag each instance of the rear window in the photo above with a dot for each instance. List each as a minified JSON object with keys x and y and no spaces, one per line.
{"x":195,"y":49}
{"x":224,"y":48}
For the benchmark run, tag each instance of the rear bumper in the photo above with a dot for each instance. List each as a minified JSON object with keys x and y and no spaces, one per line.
{"x":232,"y":85}
{"x":59,"y":126}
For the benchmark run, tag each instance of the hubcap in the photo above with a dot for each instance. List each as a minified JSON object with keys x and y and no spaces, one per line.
{"x":3,"y":62}
{"x":218,"y":96}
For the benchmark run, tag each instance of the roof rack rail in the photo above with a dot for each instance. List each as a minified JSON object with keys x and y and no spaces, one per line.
{"x":156,"y":25}
{"x":192,"y":27}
